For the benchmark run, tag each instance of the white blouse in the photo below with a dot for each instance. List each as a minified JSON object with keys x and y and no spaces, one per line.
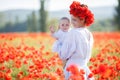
{"x":60,"y":36}
{"x":77,"y":48}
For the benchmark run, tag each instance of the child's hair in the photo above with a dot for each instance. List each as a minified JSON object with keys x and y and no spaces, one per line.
{"x":65,"y":18}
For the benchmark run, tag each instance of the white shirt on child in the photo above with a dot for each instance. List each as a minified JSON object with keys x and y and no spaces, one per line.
{"x":60,"y":35}
{"x":77,"y":47}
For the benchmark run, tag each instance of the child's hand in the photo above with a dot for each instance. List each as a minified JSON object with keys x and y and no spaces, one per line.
{"x":52,"y":29}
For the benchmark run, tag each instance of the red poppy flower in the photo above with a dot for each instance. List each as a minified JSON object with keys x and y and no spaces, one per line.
{"x":118,"y":65}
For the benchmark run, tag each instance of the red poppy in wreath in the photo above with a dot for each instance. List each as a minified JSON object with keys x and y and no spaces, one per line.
{"x":81,"y":10}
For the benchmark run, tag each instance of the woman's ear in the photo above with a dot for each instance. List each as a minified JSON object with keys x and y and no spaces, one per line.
{"x":82,"y":19}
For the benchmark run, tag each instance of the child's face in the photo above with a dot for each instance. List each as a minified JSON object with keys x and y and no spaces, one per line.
{"x":77,"y":22}
{"x":64,"y":25}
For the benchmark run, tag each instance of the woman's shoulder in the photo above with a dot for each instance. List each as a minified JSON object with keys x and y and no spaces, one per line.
{"x":89,"y":32}
{"x":71,"y":33}
{"x":75,"y":31}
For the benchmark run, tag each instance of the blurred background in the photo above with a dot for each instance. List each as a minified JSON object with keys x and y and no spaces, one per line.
{"x":38,"y":15}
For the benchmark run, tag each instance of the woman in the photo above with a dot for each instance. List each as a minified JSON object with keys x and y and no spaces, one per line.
{"x":76,"y":48}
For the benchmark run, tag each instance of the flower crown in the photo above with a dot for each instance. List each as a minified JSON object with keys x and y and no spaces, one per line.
{"x":80,"y":10}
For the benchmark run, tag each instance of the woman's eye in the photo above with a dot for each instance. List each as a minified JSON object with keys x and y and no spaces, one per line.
{"x":73,"y":19}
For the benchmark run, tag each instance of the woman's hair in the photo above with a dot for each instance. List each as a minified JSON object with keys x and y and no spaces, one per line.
{"x":65,"y":18}
{"x":81,"y":10}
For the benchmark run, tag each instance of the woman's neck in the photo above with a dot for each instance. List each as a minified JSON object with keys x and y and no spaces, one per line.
{"x":80,"y":27}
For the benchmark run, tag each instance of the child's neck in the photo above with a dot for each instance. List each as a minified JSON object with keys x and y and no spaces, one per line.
{"x":64,"y":30}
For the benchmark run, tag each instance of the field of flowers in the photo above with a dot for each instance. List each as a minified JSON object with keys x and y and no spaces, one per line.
{"x":28,"y":56}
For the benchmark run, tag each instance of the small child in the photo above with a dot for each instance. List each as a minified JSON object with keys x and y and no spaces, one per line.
{"x":59,"y":35}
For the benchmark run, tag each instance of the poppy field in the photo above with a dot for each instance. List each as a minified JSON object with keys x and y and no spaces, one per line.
{"x":28,"y":56}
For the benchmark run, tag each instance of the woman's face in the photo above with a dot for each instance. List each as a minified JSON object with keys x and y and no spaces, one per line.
{"x":77,"y":22}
